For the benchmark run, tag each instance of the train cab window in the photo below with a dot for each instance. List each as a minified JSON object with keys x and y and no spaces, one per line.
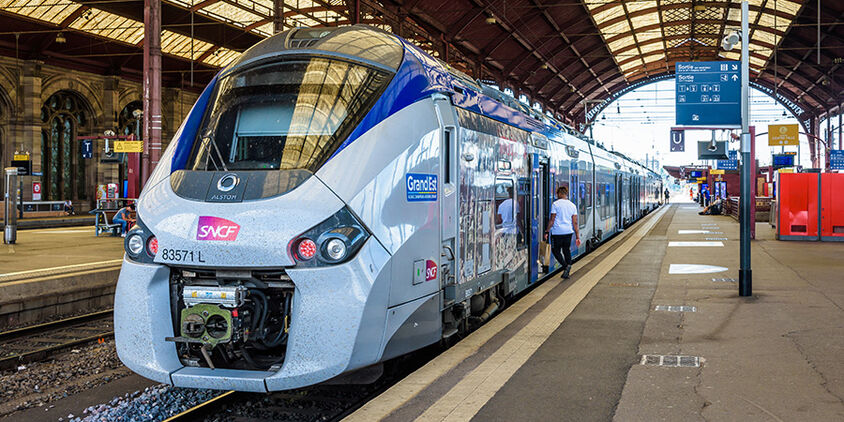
{"x":287,"y":115}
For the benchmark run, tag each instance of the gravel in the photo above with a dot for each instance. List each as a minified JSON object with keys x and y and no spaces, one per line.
{"x":40,"y":383}
{"x":154,"y":403}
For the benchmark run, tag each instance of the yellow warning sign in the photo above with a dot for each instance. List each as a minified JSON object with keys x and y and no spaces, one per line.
{"x":21,"y":157}
{"x":716,"y":171}
{"x":782,"y":135}
{"x":128,"y":146}
{"x":701,"y":179}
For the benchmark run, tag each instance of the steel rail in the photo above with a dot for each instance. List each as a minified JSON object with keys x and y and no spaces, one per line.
{"x":8,"y":362}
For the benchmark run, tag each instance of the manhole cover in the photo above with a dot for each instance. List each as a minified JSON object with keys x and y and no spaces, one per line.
{"x":675,"y":308}
{"x":671,"y":361}
{"x":724,"y":280}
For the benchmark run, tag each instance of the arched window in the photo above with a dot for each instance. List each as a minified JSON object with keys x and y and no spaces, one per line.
{"x":127,"y":120}
{"x":63,"y":115}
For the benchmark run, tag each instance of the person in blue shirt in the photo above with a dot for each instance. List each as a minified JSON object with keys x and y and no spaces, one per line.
{"x":124,"y":217}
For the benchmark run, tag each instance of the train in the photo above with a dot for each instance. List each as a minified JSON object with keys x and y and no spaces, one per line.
{"x":337,"y":198}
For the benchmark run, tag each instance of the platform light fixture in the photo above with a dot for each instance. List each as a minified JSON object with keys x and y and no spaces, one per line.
{"x":730,"y":40}
{"x":60,"y":39}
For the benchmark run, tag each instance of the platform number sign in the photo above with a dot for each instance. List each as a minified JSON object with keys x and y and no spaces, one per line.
{"x":678,"y":140}
{"x":708,"y":94}
{"x":87,"y":147}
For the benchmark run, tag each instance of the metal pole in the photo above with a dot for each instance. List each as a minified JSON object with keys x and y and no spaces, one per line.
{"x":10,"y":215}
{"x":152,"y":88}
{"x":745,"y":277}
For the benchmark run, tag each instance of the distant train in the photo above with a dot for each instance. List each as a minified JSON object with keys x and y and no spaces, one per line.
{"x":337,"y":198}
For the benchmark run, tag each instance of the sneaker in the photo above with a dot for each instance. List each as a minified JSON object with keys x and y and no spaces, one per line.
{"x":566,"y":272}
{"x":123,"y":235}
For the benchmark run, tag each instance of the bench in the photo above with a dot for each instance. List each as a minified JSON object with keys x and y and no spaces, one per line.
{"x":102,"y":224}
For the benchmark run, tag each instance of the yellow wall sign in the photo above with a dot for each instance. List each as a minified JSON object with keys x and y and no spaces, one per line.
{"x":128,"y":146}
{"x":701,"y":179}
{"x":782,"y":135}
{"x":716,"y":171}
{"x":21,"y":157}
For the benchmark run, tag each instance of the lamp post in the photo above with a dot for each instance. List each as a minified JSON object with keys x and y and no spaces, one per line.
{"x":745,"y":272}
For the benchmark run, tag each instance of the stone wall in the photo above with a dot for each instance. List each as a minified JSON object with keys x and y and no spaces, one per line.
{"x":26,"y":85}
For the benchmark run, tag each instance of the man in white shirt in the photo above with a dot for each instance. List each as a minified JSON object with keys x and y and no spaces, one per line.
{"x":561,"y":225}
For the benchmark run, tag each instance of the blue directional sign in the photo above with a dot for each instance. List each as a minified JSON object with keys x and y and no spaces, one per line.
{"x":836,"y":159}
{"x":727,"y":164}
{"x":708,"y":93}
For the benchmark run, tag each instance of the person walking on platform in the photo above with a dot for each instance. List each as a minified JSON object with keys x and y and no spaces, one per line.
{"x":667,"y":193}
{"x":561,"y":225}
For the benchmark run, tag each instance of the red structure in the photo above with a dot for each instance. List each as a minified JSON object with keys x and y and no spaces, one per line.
{"x":832,"y":207}
{"x":798,"y":206}
{"x":809,"y":208}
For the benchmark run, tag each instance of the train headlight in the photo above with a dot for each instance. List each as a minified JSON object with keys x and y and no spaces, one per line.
{"x":140,"y":244}
{"x":135,"y":244}
{"x":335,"y":249}
{"x":333,"y":241}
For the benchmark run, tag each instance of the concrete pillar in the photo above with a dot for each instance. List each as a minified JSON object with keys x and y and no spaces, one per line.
{"x":107,"y":172}
{"x":28,"y":133}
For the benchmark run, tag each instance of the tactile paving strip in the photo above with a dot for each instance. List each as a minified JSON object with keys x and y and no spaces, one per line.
{"x":671,"y":361}
{"x":675,"y":308}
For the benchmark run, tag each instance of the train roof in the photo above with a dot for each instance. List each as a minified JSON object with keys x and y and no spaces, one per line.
{"x":419,"y":75}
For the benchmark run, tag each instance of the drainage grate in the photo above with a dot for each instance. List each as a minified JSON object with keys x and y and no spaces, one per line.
{"x":671,"y":361}
{"x":624,"y":284}
{"x":716,"y":238}
{"x":724,"y":280}
{"x":675,"y":308}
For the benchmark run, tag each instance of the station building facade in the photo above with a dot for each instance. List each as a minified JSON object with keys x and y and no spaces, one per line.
{"x":44,"y":109}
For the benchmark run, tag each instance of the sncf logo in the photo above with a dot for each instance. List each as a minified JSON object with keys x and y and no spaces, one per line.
{"x":216,"y":228}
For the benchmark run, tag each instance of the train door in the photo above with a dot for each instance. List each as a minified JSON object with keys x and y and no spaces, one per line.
{"x":539,"y":211}
{"x":448,"y":174}
{"x":619,"y":202}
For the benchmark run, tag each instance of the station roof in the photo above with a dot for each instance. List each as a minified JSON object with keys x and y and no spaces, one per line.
{"x":566,"y":55}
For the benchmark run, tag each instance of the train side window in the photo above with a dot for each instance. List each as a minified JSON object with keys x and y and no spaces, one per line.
{"x":522,"y":212}
{"x":447,"y":155}
{"x":505,"y":207}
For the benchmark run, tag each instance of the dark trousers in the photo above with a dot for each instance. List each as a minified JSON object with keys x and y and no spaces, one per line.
{"x":561,"y":242}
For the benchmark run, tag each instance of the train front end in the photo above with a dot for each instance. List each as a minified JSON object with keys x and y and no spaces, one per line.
{"x":246,"y":270}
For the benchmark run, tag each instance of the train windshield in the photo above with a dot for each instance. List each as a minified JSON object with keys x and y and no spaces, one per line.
{"x":283,"y":116}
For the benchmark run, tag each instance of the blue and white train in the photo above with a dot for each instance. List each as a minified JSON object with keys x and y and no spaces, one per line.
{"x":337,"y":198}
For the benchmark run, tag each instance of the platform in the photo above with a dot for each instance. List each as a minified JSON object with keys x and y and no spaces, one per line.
{"x":53,"y":222}
{"x":56,"y":271}
{"x":589,"y":348}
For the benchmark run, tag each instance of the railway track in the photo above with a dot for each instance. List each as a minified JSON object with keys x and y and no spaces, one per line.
{"x":37,"y":342}
{"x":324,"y":402}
